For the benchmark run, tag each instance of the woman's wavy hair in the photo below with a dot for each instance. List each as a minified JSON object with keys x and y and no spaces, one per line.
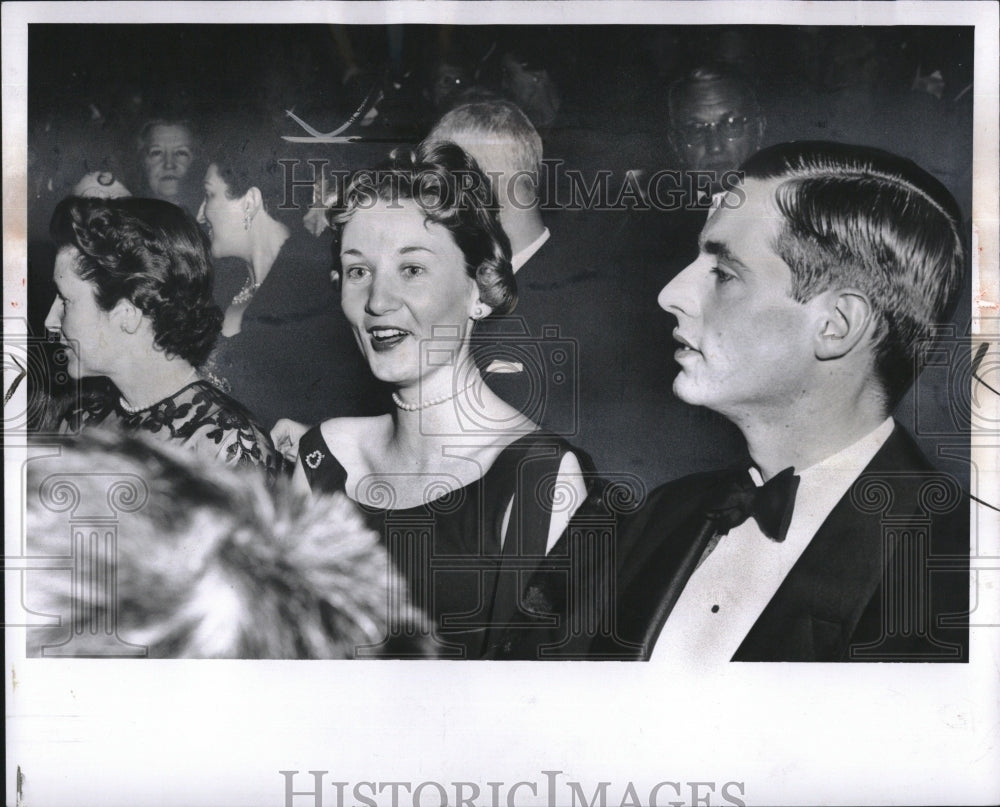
{"x":151,"y":253}
{"x":451,"y":190}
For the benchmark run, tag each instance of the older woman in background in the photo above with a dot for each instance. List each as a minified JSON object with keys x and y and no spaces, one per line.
{"x":286,"y":350}
{"x":168,"y":157}
{"x":134,"y":305}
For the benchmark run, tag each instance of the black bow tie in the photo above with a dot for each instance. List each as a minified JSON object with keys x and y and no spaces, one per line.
{"x":771,"y":505}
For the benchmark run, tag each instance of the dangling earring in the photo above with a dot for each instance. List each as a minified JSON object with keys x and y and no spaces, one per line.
{"x":246,"y":221}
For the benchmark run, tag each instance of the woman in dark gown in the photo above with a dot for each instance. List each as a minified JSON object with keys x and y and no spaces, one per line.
{"x":134,"y":305}
{"x":285,"y":350}
{"x":468,"y":494}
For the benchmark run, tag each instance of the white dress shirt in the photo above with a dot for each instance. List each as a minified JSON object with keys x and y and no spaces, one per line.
{"x":731,"y":588}
{"x":522,"y":256}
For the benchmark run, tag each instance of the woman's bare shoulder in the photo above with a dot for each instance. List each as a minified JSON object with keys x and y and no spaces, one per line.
{"x":354,"y":438}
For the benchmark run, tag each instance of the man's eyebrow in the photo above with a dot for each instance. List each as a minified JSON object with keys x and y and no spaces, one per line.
{"x":721,"y":250}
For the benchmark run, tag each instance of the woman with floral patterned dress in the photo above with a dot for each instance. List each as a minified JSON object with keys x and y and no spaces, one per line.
{"x":134,"y":305}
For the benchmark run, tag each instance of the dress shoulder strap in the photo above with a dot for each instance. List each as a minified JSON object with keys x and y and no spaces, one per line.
{"x":539,"y":462}
{"x":323,"y":471}
{"x":537,"y":457}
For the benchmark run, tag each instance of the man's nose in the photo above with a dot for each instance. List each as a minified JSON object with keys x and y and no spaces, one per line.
{"x":53,"y":320}
{"x":680,"y":295}
{"x":169,"y":159}
{"x":713,"y":140}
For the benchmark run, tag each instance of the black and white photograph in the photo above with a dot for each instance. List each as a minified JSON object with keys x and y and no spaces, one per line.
{"x":645,"y":353}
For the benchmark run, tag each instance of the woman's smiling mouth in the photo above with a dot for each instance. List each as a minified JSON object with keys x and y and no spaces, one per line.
{"x":385,"y":338}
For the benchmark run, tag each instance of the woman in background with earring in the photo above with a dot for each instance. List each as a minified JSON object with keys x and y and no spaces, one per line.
{"x":468,"y":494}
{"x":285,"y":350}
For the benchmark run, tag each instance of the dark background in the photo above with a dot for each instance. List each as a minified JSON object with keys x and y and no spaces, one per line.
{"x":92,"y":86}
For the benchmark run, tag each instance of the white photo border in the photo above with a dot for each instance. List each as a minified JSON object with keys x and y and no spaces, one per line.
{"x":82,"y":732}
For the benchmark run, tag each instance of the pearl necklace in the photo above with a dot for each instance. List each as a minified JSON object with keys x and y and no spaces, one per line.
{"x":245,"y":294}
{"x":408,"y":407}
{"x":135,"y":410}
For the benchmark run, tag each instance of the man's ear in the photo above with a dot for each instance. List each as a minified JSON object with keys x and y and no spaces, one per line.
{"x":847,"y":318}
{"x":126,"y":315}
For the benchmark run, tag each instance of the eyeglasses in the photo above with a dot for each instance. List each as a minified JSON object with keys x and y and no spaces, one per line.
{"x":696,"y":133}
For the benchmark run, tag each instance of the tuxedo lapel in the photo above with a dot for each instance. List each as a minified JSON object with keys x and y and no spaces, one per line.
{"x":654,"y":590}
{"x":661,"y":550}
{"x":811,"y":614}
{"x":814,"y":612}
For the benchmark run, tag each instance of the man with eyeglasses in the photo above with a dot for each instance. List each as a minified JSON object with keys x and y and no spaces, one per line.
{"x":715,"y":120}
{"x":714,"y":124}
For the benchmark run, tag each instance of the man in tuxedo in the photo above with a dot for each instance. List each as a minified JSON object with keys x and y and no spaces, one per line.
{"x":560,"y":357}
{"x":816,"y":281}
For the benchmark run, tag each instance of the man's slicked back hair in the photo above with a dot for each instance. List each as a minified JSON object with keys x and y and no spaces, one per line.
{"x":863,"y":218}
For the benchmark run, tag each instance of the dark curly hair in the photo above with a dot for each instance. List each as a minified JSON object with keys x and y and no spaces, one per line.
{"x":151,"y":253}
{"x":451,"y":190}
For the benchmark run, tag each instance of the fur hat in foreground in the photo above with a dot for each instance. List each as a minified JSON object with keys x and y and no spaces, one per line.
{"x":195,"y":560}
